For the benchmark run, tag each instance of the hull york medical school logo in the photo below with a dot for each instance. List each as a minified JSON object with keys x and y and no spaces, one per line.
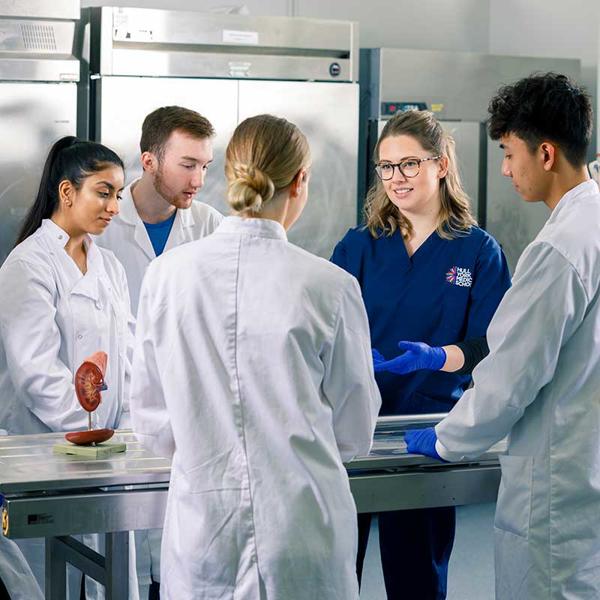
{"x":459,"y":276}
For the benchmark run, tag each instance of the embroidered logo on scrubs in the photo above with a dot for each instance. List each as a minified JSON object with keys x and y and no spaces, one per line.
{"x":459,"y":276}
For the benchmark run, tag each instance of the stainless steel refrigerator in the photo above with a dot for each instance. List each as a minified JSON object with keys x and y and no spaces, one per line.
{"x":38,"y":99}
{"x":229,"y":67}
{"x":457,"y":86}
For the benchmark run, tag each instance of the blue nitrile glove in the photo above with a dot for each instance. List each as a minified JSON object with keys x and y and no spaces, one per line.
{"x":416,"y":356}
{"x":377,"y":357}
{"x":422,"y":441}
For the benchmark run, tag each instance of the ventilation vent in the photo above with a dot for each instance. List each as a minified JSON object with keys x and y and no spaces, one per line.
{"x":38,"y":37}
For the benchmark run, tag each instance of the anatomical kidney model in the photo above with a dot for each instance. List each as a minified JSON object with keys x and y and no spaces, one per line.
{"x":89,"y":383}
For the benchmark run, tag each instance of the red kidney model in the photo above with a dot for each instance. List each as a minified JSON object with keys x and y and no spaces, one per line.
{"x":89,"y":383}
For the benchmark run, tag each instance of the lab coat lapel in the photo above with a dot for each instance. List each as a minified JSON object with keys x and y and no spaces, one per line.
{"x":129,"y":215}
{"x":77,"y":282}
{"x":142,"y":240}
{"x":181,"y":230}
{"x":88,"y":285}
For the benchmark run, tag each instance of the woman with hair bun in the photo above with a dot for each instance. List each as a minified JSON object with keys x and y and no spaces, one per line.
{"x":64,"y":298}
{"x":431,"y":281}
{"x":253,"y":372}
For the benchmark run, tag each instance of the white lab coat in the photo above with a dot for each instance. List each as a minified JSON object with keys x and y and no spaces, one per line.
{"x":128,"y":239}
{"x":541,"y":383}
{"x":16,"y":574}
{"x":252,"y":370}
{"x":52,"y":317}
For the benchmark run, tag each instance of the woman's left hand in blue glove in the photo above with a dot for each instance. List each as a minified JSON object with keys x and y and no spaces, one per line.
{"x":422,"y":441}
{"x":416,"y":356}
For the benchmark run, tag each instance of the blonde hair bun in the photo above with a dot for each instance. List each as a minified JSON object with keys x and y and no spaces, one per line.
{"x":263,"y":156}
{"x":249,"y":189}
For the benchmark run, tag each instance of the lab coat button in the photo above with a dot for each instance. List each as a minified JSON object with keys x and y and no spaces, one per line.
{"x":79,"y":336}
{"x":98,"y":305}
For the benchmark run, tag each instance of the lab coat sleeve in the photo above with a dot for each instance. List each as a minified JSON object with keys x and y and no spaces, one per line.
{"x":125,"y":419}
{"x":490,"y":282}
{"x":32,"y":342}
{"x":149,"y":414}
{"x":538,"y":315}
{"x":349,"y":383}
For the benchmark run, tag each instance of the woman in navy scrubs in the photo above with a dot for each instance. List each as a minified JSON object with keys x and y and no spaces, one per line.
{"x":428,"y":274}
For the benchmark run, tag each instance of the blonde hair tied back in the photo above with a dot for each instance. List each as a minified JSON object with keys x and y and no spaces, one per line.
{"x":249,"y":189}
{"x":263,"y":157}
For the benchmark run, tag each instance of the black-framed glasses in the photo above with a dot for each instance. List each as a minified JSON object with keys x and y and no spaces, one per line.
{"x":409,"y":167}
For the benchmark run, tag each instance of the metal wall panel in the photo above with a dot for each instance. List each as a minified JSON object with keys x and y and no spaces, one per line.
{"x":467,"y":135}
{"x":513,"y":222}
{"x":32,"y":117}
{"x":124,"y":102}
{"x":328,"y":115}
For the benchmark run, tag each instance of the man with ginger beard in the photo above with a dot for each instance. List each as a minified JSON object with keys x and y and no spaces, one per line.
{"x":158,"y":211}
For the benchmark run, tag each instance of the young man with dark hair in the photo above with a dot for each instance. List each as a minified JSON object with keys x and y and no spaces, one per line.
{"x":540,"y":383}
{"x":158,"y":211}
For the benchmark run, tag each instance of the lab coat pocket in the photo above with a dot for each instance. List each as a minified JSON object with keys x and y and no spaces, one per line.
{"x":514,"y":496}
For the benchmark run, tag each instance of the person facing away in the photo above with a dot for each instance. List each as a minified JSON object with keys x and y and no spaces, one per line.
{"x":253,"y":372}
{"x":539,"y":384}
{"x":64,"y":298}
{"x":158,"y":211}
{"x":427,"y":274}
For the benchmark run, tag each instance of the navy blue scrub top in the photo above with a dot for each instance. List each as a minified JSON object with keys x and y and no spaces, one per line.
{"x":445,"y":293}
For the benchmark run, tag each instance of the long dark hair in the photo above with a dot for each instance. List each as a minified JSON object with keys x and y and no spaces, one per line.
{"x":72,"y":159}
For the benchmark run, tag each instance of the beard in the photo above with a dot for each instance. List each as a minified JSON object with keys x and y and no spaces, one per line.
{"x":167,"y":193}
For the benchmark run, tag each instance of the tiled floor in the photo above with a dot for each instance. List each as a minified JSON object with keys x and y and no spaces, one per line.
{"x":471,"y":572}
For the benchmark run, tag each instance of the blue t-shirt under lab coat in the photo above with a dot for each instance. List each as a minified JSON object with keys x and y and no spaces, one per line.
{"x":445,"y":293}
{"x":159,"y":233}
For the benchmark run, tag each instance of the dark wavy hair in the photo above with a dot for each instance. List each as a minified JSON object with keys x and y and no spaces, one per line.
{"x":69,"y":159}
{"x":544,"y":106}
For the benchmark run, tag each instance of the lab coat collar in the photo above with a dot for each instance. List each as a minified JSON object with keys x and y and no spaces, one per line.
{"x":586,"y":188}
{"x":127,"y":210}
{"x":128,"y":214}
{"x":85,"y":285}
{"x":266,"y":228}
{"x":183,"y":218}
{"x":56,"y":235}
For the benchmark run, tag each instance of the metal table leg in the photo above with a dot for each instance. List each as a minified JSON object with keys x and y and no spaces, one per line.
{"x":56,"y":571}
{"x":117,"y":565}
{"x":111,"y":571}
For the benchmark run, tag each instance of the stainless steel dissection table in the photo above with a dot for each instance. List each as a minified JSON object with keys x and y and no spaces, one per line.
{"x":57,"y":497}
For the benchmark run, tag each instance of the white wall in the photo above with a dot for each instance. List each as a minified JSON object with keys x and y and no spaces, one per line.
{"x":274,"y":8}
{"x":423,"y":24}
{"x":550,"y":28}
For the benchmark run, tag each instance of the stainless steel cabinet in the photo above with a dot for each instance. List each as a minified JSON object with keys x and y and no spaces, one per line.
{"x":229,"y":67}
{"x":328,"y":115}
{"x":125,"y":101}
{"x":32,"y":117}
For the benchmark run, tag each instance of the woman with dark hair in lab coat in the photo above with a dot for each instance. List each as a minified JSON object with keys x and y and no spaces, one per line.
{"x":63,"y":298}
{"x":430,"y":278}
{"x":253,"y":371}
